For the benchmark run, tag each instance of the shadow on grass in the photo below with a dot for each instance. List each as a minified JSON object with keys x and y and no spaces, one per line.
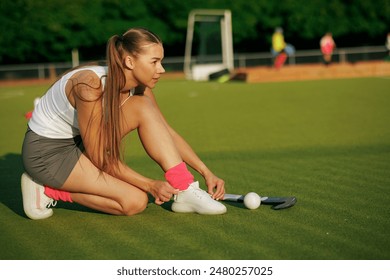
{"x":11,"y":169}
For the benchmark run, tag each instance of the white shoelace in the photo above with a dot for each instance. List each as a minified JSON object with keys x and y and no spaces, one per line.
{"x":52,"y":203}
{"x":198,"y":192}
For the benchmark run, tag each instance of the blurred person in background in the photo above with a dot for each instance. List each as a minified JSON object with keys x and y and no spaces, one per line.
{"x":278,"y":43}
{"x":327,"y":46}
{"x":280,"y":49}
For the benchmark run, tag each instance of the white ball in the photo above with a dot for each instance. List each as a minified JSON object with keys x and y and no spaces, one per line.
{"x":252,"y":200}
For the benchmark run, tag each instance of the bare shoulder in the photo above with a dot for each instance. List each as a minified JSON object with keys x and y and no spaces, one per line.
{"x":84,"y":85}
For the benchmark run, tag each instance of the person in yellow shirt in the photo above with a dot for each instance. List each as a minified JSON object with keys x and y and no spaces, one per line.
{"x":278,"y":43}
{"x":280,"y":49}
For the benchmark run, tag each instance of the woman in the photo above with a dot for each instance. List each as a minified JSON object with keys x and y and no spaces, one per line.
{"x":72,"y":148}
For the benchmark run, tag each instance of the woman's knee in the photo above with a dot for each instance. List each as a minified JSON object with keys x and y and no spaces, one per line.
{"x":137,"y":205}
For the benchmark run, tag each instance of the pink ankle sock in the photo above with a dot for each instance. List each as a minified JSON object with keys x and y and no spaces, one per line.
{"x":58,"y":194}
{"x":179,"y":177}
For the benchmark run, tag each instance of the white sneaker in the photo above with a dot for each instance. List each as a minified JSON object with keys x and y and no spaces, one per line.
{"x":35,"y":202}
{"x":196,"y":200}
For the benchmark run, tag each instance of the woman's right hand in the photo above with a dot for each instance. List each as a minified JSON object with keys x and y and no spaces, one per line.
{"x":162,"y":191}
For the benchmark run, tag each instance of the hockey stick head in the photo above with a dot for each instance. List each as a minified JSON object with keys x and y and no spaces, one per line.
{"x":279,"y":203}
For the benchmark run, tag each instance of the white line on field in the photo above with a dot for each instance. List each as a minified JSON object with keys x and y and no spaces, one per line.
{"x":11,"y":94}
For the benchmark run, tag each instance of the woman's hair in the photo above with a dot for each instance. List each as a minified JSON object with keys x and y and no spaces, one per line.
{"x":118,"y":47}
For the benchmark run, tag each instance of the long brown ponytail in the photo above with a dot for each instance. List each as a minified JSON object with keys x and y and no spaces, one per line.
{"x":118,"y":47}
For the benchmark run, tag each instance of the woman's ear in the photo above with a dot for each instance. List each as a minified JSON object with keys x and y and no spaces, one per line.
{"x":129,"y":62}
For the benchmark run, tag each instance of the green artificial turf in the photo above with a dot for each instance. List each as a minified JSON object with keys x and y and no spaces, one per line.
{"x":325,"y":142}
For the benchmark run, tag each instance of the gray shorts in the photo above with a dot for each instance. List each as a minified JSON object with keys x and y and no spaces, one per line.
{"x":50,"y":161}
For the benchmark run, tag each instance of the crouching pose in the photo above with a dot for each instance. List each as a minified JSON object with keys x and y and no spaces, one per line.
{"x":72,"y":147}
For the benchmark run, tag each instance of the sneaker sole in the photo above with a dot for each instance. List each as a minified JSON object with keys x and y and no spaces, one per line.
{"x":34,"y":214}
{"x":185,"y":208}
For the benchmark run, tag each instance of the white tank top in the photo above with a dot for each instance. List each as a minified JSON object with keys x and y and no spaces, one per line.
{"x":54,"y":116}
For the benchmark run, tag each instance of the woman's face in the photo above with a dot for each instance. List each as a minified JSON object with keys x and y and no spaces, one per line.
{"x":147,"y":67}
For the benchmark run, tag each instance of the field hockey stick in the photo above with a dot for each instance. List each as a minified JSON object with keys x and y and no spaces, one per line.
{"x":277,"y":203}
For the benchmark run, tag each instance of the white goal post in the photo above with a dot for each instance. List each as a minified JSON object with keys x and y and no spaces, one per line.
{"x":201,"y":71}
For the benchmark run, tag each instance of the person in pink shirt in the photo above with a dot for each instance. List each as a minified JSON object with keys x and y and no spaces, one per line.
{"x":327,"y":45}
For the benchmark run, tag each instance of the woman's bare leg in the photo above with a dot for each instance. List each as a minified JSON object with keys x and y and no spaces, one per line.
{"x":103,"y":192}
{"x":100,"y":191}
{"x":159,"y":144}
{"x":141,"y":114}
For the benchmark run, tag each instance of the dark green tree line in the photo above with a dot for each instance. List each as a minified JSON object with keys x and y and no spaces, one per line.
{"x":42,"y":31}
